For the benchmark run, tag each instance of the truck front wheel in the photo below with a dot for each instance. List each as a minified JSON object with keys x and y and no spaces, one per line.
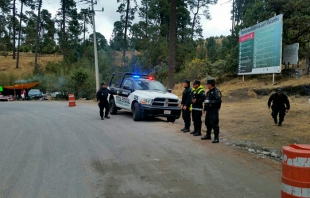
{"x":113,"y":108}
{"x":136,"y":112}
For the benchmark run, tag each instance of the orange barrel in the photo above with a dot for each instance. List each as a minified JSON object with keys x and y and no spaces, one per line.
{"x":296,"y":171}
{"x":71,"y":100}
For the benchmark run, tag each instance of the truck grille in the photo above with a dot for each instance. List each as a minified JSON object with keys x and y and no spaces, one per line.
{"x":165,"y":102}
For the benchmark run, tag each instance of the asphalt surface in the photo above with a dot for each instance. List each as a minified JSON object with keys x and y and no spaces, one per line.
{"x":50,"y":150}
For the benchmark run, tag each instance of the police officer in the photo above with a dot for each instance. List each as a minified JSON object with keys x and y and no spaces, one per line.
{"x":212,"y":106}
{"x":280,"y":105}
{"x":102,"y":99}
{"x":185,"y":105}
{"x":197,"y":98}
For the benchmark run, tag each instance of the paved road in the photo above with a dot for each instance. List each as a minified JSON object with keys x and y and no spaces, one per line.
{"x":50,"y":150}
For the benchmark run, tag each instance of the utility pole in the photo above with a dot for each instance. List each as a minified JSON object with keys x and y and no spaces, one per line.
{"x":95,"y":42}
{"x":37,"y":38}
{"x":95,"y":45}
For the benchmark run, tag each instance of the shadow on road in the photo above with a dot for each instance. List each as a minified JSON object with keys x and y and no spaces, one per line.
{"x":148,"y":119}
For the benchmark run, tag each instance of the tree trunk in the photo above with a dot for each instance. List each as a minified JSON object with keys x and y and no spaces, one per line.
{"x":14,"y":30}
{"x":146,"y":18}
{"x":194,"y":20}
{"x":308,"y":62}
{"x":63,"y":45}
{"x":37,"y":38}
{"x":19,"y":32}
{"x":172,"y":43}
{"x":126,"y":26}
{"x":84,"y":29}
{"x":233,"y":18}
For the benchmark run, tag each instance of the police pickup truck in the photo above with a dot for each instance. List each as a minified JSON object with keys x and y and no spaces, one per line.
{"x":143,"y":96}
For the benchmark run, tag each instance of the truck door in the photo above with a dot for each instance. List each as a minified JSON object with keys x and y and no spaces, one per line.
{"x":122,"y":99}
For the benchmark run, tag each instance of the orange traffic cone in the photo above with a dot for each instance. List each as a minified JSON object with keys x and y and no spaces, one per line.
{"x":296,"y":171}
{"x":71,"y":100}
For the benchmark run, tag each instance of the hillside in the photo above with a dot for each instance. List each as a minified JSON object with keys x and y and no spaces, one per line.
{"x":26,"y":63}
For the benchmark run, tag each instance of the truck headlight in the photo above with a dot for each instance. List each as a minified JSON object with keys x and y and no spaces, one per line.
{"x":179,"y":101}
{"x":146,"y":101}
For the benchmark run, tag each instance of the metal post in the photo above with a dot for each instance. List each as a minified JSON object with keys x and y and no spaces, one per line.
{"x":243,"y":78}
{"x":95,"y":47}
{"x":273,"y":78}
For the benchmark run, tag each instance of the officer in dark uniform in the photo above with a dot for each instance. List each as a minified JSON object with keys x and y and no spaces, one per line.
{"x":196,"y":99}
{"x":212,"y":106}
{"x":185,"y":105}
{"x":280,"y":105}
{"x":102,"y":99}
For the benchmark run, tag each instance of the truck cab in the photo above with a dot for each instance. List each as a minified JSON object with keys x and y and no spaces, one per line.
{"x":142,"y":95}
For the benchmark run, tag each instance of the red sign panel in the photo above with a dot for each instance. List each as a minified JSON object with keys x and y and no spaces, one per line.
{"x":246,"y":37}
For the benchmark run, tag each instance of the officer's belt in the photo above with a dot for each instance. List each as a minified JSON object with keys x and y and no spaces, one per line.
{"x":210,"y":102}
{"x":197,"y":109}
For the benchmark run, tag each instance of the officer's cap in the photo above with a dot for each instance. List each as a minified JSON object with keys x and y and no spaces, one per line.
{"x":279,"y":90}
{"x":187,"y":82}
{"x":196,"y":82}
{"x":211,"y":82}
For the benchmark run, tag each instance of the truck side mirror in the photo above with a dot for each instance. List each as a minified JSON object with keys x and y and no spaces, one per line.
{"x":169,"y":90}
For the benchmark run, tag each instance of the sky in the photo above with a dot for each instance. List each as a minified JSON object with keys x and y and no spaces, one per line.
{"x":219,"y":25}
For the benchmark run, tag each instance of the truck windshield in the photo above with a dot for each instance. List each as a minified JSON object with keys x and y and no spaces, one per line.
{"x":149,"y":85}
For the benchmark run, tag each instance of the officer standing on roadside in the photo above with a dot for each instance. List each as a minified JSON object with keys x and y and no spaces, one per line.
{"x":212,"y":106}
{"x":197,"y":98}
{"x":185,"y":105}
{"x":280,"y":105}
{"x":102,"y":99}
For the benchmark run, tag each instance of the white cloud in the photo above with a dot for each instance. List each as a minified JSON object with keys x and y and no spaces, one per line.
{"x":221,"y":20}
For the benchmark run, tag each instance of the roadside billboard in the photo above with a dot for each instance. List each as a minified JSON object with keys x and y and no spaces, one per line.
{"x":290,"y":54}
{"x":260,"y":47}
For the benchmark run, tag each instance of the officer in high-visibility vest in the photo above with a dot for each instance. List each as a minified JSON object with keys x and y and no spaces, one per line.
{"x":197,"y":99}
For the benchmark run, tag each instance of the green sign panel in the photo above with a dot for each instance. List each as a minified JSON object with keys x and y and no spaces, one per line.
{"x":1,"y":88}
{"x":260,"y":47}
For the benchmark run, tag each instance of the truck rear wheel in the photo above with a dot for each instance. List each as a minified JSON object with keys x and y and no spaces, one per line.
{"x":136,"y":112}
{"x":113,"y":108}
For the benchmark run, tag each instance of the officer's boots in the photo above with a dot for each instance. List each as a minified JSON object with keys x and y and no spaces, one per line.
{"x":186,"y":130}
{"x":208,"y":135}
{"x":280,"y":122}
{"x":198,"y":132}
{"x":275,"y":120}
{"x":195,"y":129}
{"x":216,"y":137}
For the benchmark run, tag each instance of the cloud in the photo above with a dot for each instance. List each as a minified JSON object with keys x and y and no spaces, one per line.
{"x":221,"y":20}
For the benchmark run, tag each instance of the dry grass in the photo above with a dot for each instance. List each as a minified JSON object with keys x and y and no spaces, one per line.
{"x":26,"y":63}
{"x":251,"y":121}
{"x":245,"y":117}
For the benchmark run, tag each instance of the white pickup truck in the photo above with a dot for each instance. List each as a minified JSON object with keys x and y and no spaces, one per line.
{"x":143,"y":96}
